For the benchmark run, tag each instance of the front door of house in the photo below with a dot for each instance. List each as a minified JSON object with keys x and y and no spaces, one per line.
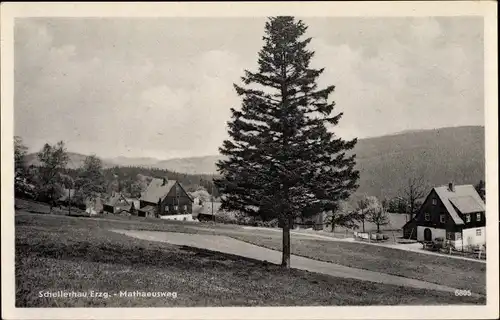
{"x":427,"y":234}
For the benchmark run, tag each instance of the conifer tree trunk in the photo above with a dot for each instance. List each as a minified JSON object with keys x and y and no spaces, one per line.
{"x":285,"y":262}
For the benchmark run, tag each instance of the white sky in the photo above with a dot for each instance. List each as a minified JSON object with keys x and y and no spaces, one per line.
{"x":163,"y":87}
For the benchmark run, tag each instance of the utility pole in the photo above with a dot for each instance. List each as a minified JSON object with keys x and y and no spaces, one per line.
{"x":69,"y":202}
{"x":71,"y":186}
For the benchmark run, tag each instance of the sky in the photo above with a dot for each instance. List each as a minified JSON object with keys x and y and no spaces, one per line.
{"x":163,"y":87}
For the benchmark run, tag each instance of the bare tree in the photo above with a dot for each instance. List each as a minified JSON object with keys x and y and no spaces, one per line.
{"x":365,"y":204}
{"x":378,"y":216}
{"x":412,"y":192}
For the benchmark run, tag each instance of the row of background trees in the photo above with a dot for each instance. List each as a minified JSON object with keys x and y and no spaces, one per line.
{"x":51,"y":179}
{"x":48,"y":181}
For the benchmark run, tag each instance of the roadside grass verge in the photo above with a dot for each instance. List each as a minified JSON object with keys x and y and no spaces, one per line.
{"x":455,"y":273}
{"x":79,"y":254}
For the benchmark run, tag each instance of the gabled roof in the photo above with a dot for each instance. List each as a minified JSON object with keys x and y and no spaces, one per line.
{"x":114,"y":199}
{"x":463,"y":197}
{"x":467,"y":204}
{"x":156,"y":190}
{"x":147,"y":209}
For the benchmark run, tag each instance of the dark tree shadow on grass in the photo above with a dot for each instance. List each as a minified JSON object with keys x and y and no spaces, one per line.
{"x":124,"y":251}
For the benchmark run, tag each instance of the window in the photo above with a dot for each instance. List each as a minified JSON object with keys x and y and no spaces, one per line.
{"x":478,"y":232}
{"x":175,"y":208}
{"x":467,"y":218}
{"x":185,"y":207}
{"x":434,"y":202}
{"x":448,"y":235}
{"x":478,"y":216}
{"x":442,"y":218}
{"x":427,"y":216}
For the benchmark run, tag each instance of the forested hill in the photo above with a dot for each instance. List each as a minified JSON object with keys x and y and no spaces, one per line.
{"x":385,"y":163}
{"x":439,"y":156}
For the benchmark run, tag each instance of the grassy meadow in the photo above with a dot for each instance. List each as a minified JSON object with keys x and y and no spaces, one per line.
{"x":82,"y":254}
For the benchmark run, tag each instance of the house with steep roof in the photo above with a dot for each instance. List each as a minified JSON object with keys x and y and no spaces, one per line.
{"x":454,"y":213}
{"x":164,"y":197}
{"x":118,"y":203}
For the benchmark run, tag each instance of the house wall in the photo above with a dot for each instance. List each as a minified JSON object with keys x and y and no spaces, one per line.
{"x":436,"y":233}
{"x":435,"y":211}
{"x":176,"y":198}
{"x":178,"y":217}
{"x":410,"y":230}
{"x":146,"y":214}
{"x":474,"y":222}
{"x":471,"y":238}
{"x":91,"y":211}
{"x":108,"y":208}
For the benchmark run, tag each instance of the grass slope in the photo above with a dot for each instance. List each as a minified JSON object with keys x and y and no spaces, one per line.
{"x":454,"y":273}
{"x":80,"y":254}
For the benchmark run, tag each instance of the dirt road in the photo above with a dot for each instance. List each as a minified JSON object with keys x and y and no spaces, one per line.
{"x":236,"y":247}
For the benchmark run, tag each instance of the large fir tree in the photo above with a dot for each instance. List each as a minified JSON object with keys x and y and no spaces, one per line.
{"x":283,"y":162}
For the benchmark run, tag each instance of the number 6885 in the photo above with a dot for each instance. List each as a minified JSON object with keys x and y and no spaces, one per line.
{"x":463,"y":293}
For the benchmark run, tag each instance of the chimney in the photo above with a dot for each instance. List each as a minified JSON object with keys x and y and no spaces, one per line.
{"x":451,"y":187}
{"x":164,"y":181}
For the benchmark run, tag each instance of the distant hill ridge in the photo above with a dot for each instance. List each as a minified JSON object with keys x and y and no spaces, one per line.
{"x":385,"y":163}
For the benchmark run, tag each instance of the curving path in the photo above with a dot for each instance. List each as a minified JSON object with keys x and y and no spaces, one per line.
{"x":237,"y":247}
{"x":414,"y":247}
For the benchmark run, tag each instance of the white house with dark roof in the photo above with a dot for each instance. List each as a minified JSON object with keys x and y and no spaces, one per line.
{"x":454,"y":213}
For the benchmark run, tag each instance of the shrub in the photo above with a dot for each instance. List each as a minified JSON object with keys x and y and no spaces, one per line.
{"x":226,"y":217}
{"x":271,"y":223}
